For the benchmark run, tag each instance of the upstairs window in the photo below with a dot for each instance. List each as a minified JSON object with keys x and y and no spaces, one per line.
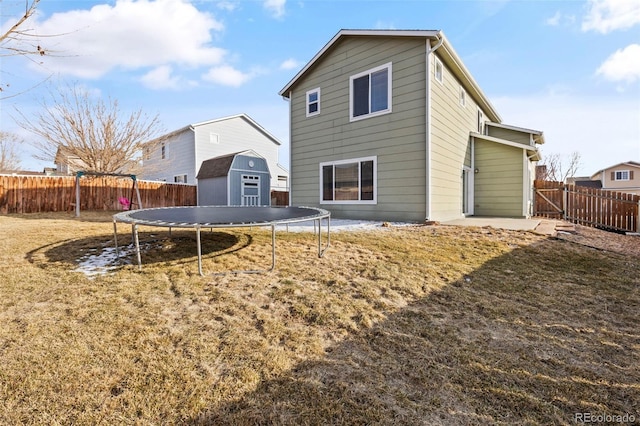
{"x":163,"y":151}
{"x":463,"y":96}
{"x":622,"y":175}
{"x":313,"y":102}
{"x":370,"y":93}
{"x":480,"y":122}
{"x":439,"y":70}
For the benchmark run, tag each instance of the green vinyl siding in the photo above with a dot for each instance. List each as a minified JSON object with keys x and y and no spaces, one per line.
{"x":509,"y":134}
{"x":396,"y":138}
{"x":499,"y":181}
{"x":450,"y":143}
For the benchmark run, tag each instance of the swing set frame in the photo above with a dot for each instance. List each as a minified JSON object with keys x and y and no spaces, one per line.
{"x":134,"y":188}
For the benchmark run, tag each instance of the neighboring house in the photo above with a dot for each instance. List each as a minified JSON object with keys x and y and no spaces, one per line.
{"x":179,"y":155}
{"x":390,"y":125}
{"x":66,"y":162}
{"x":238,"y":179}
{"x":623,"y":177}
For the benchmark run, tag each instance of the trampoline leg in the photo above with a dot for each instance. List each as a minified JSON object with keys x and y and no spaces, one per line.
{"x":199,"y":251}
{"x":273,"y":247}
{"x":137,"y":244}
{"x":320,"y":249}
{"x":115,"y":238}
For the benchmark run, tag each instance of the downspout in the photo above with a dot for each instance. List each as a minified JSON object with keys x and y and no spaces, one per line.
{"x":430,"y":50}
{"x":289,"y":183}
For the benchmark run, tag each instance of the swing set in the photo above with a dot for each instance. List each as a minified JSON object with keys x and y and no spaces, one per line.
{"x":127,"y":203}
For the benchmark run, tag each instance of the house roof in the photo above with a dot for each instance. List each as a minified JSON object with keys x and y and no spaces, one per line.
{"x":625,"y":163}
{"x":245,"y":117}
{"x":220,"y":166}
{"x":538,"y":136}
{"x":436,"y":39}
{"x":531,"y":150}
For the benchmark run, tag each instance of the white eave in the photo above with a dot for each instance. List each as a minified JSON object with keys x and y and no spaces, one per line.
{"x":448,"y":54}
{"x":533,"y":150}
{"x":538,"y":135}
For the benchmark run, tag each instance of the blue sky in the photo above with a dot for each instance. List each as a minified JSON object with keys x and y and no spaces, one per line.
{"x":568,"y":68}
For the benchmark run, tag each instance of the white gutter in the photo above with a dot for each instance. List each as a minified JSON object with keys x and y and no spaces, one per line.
{"x":429,"y":51}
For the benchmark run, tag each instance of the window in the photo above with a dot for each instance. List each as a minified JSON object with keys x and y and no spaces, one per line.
{"x":180,"y":179}
{"x":313,"y":102}
{"x":370,"y":93}
{"x":480,"y":121}
{"x":463,"y":96}
{"x":164,"y":151}
{"x":348,"y":181}
{"x":439,"y":70}
{"x":214,"y":138}
{"x":621,"y":175}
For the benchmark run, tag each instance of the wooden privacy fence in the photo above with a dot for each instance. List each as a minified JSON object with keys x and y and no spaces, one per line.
{"x":594,"y":207}
{"x":34,"y":194}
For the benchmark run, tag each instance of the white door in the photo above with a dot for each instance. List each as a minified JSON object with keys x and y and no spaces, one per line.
{"x":467,"y":191}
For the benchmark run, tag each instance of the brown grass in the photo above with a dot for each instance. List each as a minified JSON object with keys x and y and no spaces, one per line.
{"x":417,"y":325}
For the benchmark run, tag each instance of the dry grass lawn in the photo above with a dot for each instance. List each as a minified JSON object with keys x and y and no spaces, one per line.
{"x":415,"y":325}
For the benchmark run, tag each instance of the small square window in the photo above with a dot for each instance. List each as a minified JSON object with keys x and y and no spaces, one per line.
{"x":463,"y":96}
{"x":313,"y":102}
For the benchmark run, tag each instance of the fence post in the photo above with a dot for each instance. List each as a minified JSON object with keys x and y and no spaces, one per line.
{"x":565,"y":196}
{"x":638,"y":219}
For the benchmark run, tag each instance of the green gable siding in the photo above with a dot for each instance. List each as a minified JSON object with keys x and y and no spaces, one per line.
{"x":499,"y":181}
{"x":510,"y":135}
{"x":397,"y":138}
{"x":450,"y":143}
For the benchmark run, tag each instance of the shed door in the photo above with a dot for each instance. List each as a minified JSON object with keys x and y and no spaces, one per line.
{"x":250,"y":190}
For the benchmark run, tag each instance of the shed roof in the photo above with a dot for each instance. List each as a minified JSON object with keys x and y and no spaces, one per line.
{"x":434,"y":37}
{"x":220,"y":166}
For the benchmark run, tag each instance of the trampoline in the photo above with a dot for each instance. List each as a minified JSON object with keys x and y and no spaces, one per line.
{"x":198,"y":217}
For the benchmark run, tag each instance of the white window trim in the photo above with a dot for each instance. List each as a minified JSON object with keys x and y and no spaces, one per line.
{"x":307,"y":103}
{"x":350,"y":161}
{"x":389,"y":67}
{"x":182,"y":176}
{"x":622,"y":172}
{"x":462,"y":97}
{"x":438,"y":62}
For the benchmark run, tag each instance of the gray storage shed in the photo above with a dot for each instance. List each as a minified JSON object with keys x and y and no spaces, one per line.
{"x":238,"y":179}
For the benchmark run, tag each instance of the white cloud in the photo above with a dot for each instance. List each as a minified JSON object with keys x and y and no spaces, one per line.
{"x":228,"y":6}
{"x":290,"y":64}
{"x":554,"y":21}
{"x":226,"y":75}
{"x":623,"y":65}
{"x":130,"y":35}
{"x":275,"y":7}
{"x":605,"y":16}
{"x":161,"y":78}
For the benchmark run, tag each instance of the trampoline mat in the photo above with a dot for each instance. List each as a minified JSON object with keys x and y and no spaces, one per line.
{"x":220,"y":215}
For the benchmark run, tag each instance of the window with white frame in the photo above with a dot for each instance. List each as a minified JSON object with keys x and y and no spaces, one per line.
{"x":214,"y":138}
{"x":313,"y":102}
{"x":480,"y":121}
{"x":180,"y":179}
{"x":622,"y":175}
{"x":439,"y":70}
{"x":463,"y":96}
{"x":370,"y":93}
{"x":163,"y":151}
{"x":349,"y":181}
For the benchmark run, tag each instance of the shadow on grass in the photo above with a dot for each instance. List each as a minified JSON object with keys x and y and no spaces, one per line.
{"x":156,"y":247}
{"x":531,"y":337}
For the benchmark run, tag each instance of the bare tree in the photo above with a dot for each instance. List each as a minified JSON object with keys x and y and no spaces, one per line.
{"x":559,"y":170}
{"x":92,"y":131}
{"x":9,"y":159}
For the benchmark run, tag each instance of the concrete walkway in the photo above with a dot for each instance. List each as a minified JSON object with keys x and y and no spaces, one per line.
{"x":539,"y":226}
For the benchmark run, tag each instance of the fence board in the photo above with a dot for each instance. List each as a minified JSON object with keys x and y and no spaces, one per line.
{"x":588,"y":206}
{"x":34,"y":194}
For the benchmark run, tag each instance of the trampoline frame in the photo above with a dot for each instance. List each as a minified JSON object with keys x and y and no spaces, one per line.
{"x":316,"y":215}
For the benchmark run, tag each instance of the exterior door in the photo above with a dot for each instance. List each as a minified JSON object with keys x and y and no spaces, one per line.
{"x":250,"y":190}
{"x":467,"y":192}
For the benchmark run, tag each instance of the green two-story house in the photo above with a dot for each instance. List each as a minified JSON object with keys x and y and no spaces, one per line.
{"x":390,"y":125}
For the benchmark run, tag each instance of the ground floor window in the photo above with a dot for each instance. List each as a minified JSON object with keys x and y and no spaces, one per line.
{"x":180,"y":179}
{"x":349,"y":181}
